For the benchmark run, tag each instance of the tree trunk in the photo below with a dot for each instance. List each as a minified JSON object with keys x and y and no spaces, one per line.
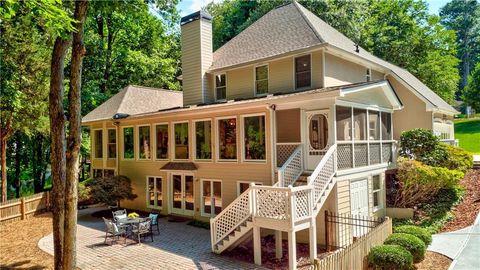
{"x":108,"y":57}
{"x":3,"y":146}
{"x":74,"y":137}
{"x":18,"y":163}
{"x":57,"y":131}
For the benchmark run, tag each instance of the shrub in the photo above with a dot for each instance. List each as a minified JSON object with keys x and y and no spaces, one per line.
{"x":419,"y":232}
{"x":419,"y":182}
{"x":111,"y":190}
{"x":422,"y":145}
{"x":413,"y":244}
{"x":390,"y":257}
{"x":84,"y":193}
{"x":458,"y":158}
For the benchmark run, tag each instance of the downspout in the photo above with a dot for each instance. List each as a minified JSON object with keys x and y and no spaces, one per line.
{"x":117,"y":168}
{"x":273,"y":144}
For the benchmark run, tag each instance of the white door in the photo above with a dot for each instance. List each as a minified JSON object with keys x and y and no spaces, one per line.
{"x":317,"y":137}
{"x":359,"y":205}
{"x":181,"y":194}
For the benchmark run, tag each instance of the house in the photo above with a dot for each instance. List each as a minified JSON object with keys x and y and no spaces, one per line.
{"x":286,"y":120}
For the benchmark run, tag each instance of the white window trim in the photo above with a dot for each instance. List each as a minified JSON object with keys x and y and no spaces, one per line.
{"x":242,"y":137}
{"x":137,"y":131}
{"x":247,"y":182}
{"x":255,"y":80}
{"x":194,"y":138}
{"x":95,"y":144}
{"x":147,"y":201}
{"x":116,"y":143}
{"x":295,"y":73}
{"x":380,"y":193}
{"x":103,"y":169}
{"x":217,"y":139}
{"x":154,"y":125}
{"x":172,"y":140}
{"x":202,"y":213}
{"x":215,"y":84}
{"x":123,"y":143}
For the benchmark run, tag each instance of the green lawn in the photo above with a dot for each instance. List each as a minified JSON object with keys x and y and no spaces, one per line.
{"x":467,"y":131}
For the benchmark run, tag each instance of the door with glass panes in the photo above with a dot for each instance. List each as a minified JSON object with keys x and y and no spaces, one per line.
{"x":211,"y":197}
{"x":181,"y":194}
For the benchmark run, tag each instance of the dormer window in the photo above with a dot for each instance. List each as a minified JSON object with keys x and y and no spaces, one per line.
{"x":261,"y":80}
{"x":368,"y":75}
{"x":303,"y":72}
{"x":220,"y":87}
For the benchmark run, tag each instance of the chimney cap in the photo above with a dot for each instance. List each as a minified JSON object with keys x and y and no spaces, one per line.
{"x":201,"y":14}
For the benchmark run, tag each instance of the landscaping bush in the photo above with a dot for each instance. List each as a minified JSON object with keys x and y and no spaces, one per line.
{"x":458,"y":159}
{"x":422,"y":145}
{"x":84,"y":193}
{"x":111,"y":190}
{"x":413,"y":244}
{"x":419,"y":232}
{"x":419,"y":182}
{"x":390,"y":257}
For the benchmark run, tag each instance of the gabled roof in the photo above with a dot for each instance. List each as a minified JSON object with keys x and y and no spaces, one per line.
{"x":292,"y":28}
{"x":134,"y":100}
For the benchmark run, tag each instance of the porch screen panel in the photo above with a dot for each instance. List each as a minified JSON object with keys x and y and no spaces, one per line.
{"x":98,"y":143}
{"x":181,"y":141}
{"x":360,"y":124}
{"x":344,"y":123}
{"x":161,"y":133}
{"x":144,"y":142}
{"x":374,"y":125}
{"x":227,"y":136}
{"x":203,"y":140}
{"x":386,"y":126}
{"x":128,"y":149}
{"x":254,"y":133}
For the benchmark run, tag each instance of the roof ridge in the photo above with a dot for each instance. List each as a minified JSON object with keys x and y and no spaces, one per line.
{"x":309,"y":23}
{"x":153,"y":88}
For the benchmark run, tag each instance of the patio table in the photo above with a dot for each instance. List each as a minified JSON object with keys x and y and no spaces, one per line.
{"x":129,"y":222}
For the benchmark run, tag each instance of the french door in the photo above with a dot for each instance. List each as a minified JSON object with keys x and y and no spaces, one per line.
{"x":182,"y":200}
{"x":211,"y":197}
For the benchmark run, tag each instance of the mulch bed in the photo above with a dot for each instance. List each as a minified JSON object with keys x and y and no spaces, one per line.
{"x":18,"y":243}
{"x":245,"y":253}
{"x":434,"y":261}
{"x":467,"y":210}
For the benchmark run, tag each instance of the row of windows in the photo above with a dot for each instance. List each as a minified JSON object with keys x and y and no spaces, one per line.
{"x":362,"y":124}
{"x":253,"y":140}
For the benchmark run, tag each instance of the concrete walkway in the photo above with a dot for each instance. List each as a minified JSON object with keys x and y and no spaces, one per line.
{"x":178,"y":246}
{"x":462,"y":246}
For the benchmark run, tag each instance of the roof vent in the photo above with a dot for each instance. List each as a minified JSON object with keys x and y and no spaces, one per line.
{"x":120,"y":116}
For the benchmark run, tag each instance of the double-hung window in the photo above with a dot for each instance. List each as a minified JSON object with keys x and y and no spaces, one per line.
{"x":203,"y":140}
{"x":221,"y":87}
{"x":254,"y":137}
{"x":128,"y":147}
{"x":98,"y":139}
{"x":377,"y":192}
{"x":112,"y":143}
{"x":154,"y":192}
{"x":261,"y":80}
{"x":144,"y":142}
{"x":303,"y":72}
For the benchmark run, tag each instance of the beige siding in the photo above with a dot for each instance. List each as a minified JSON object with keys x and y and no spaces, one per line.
{"x":340,"y":72}
{"x":288,"y":125}
{"x":207,"y":55}
{"x":240,"y":83}
{"x":343,"y":197}
{"x":317,"y":66}
{"x":281,"y":76}
{"x":377,"y":76}
{"x":413,"y":115}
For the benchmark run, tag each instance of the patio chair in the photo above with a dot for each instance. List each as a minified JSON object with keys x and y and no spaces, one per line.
{"x":119,"y":215}
{"x":154,"y":218}
{"x":113,"y":231}
{"x":142,"y":229}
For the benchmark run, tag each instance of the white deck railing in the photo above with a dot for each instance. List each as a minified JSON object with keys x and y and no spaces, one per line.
{"x":323,"y":174}
{"x":360,"y":154}
{"x":291,"y":169}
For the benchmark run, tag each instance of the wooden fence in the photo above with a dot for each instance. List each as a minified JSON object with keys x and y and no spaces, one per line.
{"x":354,"y":256}
{"x":22,"y":208}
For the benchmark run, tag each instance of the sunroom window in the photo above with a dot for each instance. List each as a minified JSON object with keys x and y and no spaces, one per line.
{"x":303,"y":72}
{"x":181,"y":140}
{"x":227,"y":137}
{"x":261,"y":80}
{"x":161,"y":133}
{"x":203,"y":140}
{"x":344,"y":123}
{"x":112,"y":143}
{"x":221,"y":87}
{"x":386,"y":126}
{"x":254,"y":133}
{"x":144,"y":142}
{"x":359,"y":124}
{"x":128,"y":149}
{"x":98,"y":143}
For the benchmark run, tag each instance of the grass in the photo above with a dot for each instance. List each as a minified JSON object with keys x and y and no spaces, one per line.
{"x":467,"y":131}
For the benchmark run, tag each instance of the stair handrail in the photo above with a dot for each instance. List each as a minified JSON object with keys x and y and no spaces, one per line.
{"x":233,"y":212}
{"x":319,"y":189}
{"x":296,"y":154}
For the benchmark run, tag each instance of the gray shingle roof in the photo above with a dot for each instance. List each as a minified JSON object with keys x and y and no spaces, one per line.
{"x":293,"y":27}
{"x":135,"y":100}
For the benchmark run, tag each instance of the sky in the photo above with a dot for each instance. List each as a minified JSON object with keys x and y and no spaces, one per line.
{"x":189,"y":6}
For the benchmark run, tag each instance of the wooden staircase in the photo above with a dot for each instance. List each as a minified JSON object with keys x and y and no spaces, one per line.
{"x":241,"y":233}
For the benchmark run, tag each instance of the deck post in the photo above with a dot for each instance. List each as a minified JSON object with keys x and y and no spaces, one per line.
{"x":278,"y":244}
{"x":257,"y":245}
{"x":312,"y":232}
{"x":292,"y":250}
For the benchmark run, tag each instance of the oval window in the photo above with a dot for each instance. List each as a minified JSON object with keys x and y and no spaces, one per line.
{"x":318,"y":131}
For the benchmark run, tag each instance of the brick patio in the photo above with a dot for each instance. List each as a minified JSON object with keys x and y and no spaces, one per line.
{"x":179,"y":246}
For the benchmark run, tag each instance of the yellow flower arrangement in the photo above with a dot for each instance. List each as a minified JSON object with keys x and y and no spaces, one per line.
{"x":133,"y":215}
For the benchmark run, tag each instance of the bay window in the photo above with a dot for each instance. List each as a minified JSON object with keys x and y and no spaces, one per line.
{"x":227,"y":139}
{"x":112,"y":143}
{"x":161,"y":138}
{"x":144,"y":149}
{"x":98,"y":139}
{"x":254,"y":137}
{"x":203,"y":140}
{"x":128,"y":148}
{"x":181,"y":140}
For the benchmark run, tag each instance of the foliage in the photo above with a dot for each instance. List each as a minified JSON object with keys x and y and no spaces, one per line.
{"x":458,"y":159}
{"x":390,"y":257}
{"x":419,"y":182}
{"x":84,"y":193}
{"x":419,"y":232}
{"x":112,"y":190}
{"x":413,"y":244}
{"x":471,"y":93}
{"x":199,"y":224}
{"x":422,"y":145}
{"x":466,"y":131}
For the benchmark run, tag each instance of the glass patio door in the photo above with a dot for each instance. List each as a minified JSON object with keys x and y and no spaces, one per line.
{"x":181,"y":194}
{"x":211,"y":197}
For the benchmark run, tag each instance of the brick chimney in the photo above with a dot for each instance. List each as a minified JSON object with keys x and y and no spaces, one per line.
{"x":197,"y":54}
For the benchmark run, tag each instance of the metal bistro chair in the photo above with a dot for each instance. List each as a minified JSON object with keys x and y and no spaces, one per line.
{"x":119,"y":215}
{"x":154,"y":218}
{"x":113,"y":231}
{"x":142,"y":228}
